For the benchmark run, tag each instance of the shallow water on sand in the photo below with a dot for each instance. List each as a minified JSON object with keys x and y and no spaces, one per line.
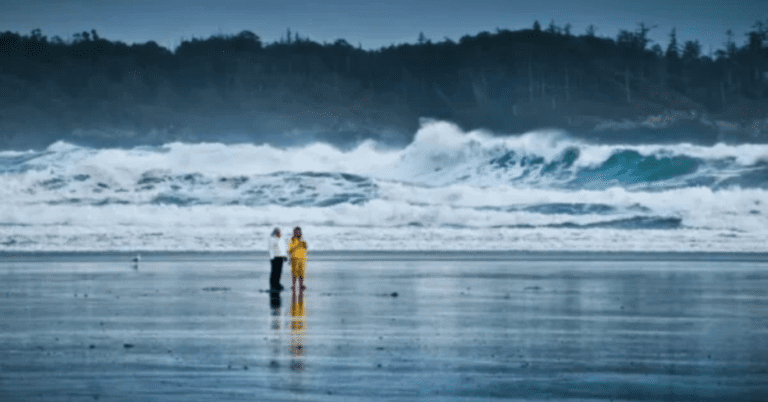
{"x":181,"y":328}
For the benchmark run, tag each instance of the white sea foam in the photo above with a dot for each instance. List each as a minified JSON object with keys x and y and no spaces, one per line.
{"x":437,"y":146}
{"x":446,"y":190}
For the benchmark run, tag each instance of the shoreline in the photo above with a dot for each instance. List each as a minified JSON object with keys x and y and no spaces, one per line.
{"x":204,"y":326}
{"x":394,"y":255}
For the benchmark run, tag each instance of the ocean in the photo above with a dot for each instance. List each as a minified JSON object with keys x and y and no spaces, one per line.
{"x":448,"y":189}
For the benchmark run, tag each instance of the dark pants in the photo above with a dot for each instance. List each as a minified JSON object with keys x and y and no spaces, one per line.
{"x":277,"y":270}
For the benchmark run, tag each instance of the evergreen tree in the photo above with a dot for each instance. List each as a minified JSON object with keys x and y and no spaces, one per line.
{"x":672,"y":48}
{"x":474,"y":82}
{"x":691,"y":51}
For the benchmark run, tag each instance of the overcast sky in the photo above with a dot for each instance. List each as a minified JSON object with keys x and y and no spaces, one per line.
{"x":374,"y":24}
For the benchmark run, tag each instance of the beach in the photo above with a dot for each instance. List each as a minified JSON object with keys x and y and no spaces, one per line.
{"x":382,"y":326}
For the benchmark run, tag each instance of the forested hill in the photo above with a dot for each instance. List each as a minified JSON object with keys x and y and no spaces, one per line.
{"x":235,"y":88}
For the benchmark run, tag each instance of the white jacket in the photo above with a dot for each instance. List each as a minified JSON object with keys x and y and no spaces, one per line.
{"x":277,"y":247}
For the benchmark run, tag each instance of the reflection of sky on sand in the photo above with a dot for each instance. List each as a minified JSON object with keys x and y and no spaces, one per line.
{"x":385,"y":330}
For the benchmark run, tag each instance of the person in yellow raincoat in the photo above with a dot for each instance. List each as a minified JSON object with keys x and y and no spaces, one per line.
{"x":298,"y":250}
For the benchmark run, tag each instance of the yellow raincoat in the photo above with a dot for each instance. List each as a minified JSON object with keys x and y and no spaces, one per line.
{"x":298,"y":251}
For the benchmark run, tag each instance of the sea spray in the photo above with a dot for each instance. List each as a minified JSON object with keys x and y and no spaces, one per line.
{"x":448,"y":189}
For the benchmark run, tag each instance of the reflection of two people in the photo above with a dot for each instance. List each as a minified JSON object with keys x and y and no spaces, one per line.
{"x":274,"y":304}
{"x":298,"y":318}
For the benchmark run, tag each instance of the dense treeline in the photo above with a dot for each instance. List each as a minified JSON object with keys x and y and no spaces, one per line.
{"x":94,"y":88}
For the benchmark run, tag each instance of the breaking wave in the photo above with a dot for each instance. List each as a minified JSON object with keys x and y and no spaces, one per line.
{"x":543,"y":184}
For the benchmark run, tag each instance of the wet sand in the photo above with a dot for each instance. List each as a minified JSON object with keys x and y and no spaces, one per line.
{"x":385,"y":327}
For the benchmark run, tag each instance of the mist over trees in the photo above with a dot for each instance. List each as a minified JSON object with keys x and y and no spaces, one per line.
{"x":236,"y":88}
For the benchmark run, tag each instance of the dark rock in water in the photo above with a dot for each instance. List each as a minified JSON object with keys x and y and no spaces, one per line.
{"x":53,"y":184}
{"x":570,"y":209}
{"x":151,"y":178}
{"x":353,"y":178}
{"x":215,"y":289}
{"x":181,"y":201}
{"x":394,"y":294}
{"x":637,"y":222}
{"x":504,"y":160}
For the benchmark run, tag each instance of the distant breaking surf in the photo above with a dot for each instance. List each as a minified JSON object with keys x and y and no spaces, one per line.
{"x":446,"y":190}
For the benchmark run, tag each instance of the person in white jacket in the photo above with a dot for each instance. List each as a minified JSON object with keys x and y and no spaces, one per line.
{"x":277,"y":255}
